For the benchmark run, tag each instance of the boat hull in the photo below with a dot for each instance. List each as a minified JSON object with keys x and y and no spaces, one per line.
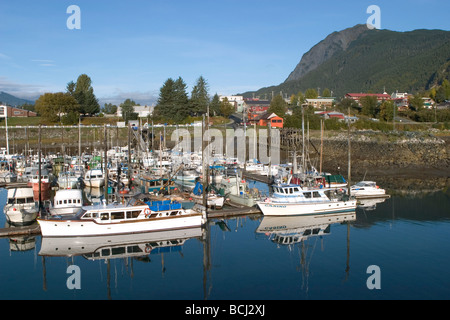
{"x":94,"y":183}
{"x":21,"y":216}
{"x":82,"y":228}
{"x":245,"y":201}
{"x":295,"y":209}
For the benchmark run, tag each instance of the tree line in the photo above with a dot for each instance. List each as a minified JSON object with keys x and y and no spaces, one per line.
{"x":174,"y":104}
{"x":66,"y":107}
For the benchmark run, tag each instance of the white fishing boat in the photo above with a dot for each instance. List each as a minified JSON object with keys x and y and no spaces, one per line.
{"x":114,"y":219}
{"x":67,"y":180}
{"x":94,"y":178}
{"x":213,"y":200}
{"x":238,"y":191}
{"x":66,"y":201}
{"x":367,"y":189}
{"x":21,"y":209}
{"x":289,"y":199}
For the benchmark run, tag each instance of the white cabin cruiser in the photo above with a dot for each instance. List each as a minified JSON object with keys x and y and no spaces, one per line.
{"x":367,"y":189}
{"x":290,"y":199}
{"x":21,"y":208}
{"x":114,"y":219}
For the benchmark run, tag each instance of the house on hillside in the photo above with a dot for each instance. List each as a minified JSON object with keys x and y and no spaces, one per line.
{"x":357,"y":96}
{"x":320,"y":103}
{"x":269,"y":118}
{"x":7,"y":111}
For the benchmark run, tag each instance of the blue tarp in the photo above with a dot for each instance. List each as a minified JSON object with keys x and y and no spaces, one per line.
{"x":198,"y":189}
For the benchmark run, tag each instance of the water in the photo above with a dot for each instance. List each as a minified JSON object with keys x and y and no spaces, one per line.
{"x":408,"y":238}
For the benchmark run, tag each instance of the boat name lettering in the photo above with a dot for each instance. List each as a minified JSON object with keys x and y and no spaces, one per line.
{"x":275,"y":206}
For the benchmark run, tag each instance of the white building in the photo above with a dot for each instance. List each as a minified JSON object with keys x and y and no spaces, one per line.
{"x":142,"y":111}
{"x":238,"y":101}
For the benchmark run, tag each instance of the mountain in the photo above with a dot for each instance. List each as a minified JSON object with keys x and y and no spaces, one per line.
{"x":359,"y":60}
{"x":10,"y":100}
{"x":325,"y":49}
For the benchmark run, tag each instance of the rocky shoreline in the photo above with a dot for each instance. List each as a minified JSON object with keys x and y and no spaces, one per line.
{"x":407,"y":154}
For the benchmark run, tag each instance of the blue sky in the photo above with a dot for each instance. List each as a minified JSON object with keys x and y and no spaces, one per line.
{"x":129,"y":48}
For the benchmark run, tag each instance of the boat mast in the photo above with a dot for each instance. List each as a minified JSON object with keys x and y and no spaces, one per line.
{"x":349,"y":155}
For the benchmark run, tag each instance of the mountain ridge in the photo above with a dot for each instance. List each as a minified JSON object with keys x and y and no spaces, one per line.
{"x":325,"y":49}
{"x":371,"y":60}
{"x":10,"y":100}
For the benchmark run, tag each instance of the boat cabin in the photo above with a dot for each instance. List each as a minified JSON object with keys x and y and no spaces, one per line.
{"x":291,"y":192}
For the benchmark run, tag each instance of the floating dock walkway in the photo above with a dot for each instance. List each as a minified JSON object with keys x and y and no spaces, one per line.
{"x":31,"y":230}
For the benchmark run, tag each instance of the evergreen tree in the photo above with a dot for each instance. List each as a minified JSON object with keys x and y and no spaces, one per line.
{"x":199,"y":97}
{"x":180,"y":107}
{"x":214,"y":107}
{"x":173,"y":100}
{"x":83,"y":92}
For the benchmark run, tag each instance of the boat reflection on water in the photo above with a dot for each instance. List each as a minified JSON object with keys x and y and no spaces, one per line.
{"x":120,"y":246}
{"x":370,"y":204}
{"x":288,"y":230}
{"x":293,"y":232}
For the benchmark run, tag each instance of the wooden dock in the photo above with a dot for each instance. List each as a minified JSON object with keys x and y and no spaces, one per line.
{"x":32,"y":230}
{"x":233,"y":212}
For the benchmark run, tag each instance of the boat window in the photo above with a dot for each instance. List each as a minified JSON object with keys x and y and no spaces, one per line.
{"x":118,"y":250}
{"x":20,"y":201}
{"x":290,"y":190}
{"x":296,"y":189}
{"x":65,"y":201}
{"x":316,"y":194}
{"x":307,"y":194}
{"x":133,"y":249}
{"x":173,"y":213}
{"x":87,"y":215}
{"x":133,"y":214}
{"x":117,"y":215}
{"x":104,"y":216}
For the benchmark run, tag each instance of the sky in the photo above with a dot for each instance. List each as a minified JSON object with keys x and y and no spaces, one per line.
{"x":130,"y":48}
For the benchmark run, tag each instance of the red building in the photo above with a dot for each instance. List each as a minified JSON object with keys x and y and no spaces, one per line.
{"x":15,"y":112}
{"x":266,"y":118}
{"x":256,"y":107}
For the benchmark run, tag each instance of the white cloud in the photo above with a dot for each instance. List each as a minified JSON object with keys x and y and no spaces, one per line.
{"x":45,"y":62}
{"x":23,"y":90}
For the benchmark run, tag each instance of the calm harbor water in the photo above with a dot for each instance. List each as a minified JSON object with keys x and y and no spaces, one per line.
{"x":407,"y":237}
